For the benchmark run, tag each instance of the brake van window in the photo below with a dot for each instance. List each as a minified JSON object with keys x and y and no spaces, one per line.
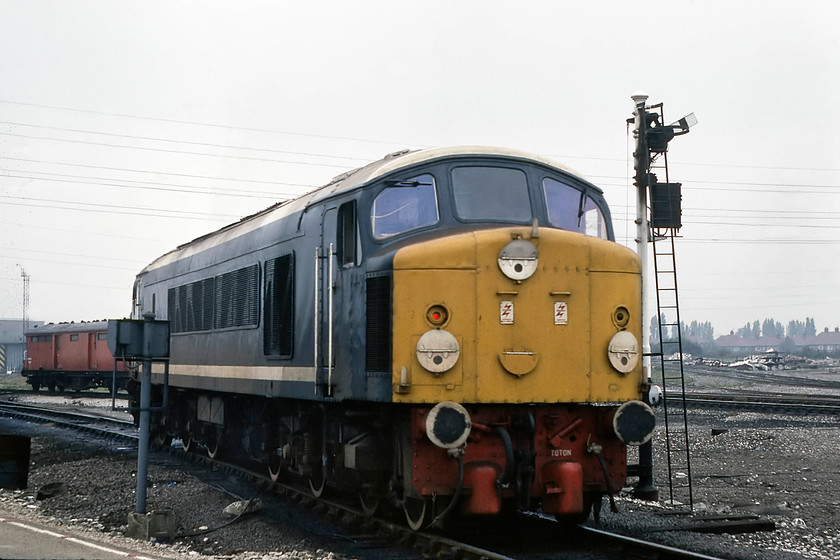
{"x":571,"y":209}
{"x":403,"y":206}
{"x":491,"y":193}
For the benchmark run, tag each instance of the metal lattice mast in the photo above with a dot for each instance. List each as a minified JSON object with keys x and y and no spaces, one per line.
{"x":25,"y":313}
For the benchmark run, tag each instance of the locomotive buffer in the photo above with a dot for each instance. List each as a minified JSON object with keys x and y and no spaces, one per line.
{"x":652,"y":138}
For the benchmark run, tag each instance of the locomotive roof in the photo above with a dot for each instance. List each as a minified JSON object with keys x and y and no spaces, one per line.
{"x":54,"y":328}
{"x":343,"y":183}
{"x":406,"y":158}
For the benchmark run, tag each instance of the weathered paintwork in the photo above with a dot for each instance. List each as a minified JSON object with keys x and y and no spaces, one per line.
{"x":559,"y":362}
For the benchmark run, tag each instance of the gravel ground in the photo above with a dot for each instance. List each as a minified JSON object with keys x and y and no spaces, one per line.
{"x":100,"y":479}
{"x":783,"y":468}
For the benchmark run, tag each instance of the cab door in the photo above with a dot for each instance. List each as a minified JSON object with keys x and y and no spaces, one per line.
{"x":325,"y":303}
{"x":339,"y":300}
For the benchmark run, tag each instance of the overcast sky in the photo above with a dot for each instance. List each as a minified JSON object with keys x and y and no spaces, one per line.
{"x":127,"y":128}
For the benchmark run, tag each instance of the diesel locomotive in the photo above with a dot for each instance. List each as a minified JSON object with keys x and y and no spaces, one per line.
{"x":444,"y":331}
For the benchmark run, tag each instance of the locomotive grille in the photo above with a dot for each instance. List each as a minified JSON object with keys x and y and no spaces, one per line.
{"x":378,"y":329}
{"x":191,"y":306}
{"x":218,"y":302}
{"x":237,"y":298}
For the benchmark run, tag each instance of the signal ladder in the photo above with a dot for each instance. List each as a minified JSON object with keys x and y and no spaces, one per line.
{"x":671,"y":368}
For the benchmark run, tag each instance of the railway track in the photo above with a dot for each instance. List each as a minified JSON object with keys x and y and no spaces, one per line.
{"x":95,"y":424}
{"x":763,"y":402}
{"x":773,"y":377}
{"x":68,"y":393}
{"x":537,"y":531}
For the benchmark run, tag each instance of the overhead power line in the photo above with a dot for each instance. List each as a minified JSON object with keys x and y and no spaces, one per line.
{"x":76,"y":232}
{"x":699,"y":185}
{"x":701,"y":164}
{"x":74,"y":284}
{"x":150,"y":172}
{"x":209,"y":125}
{"x":774,"y":214}
{"x":743,"y":241}
{"x":773,"y":226}
{"x":81,"y":263}
{"x":169,"y":151}
{"x":112,"y":209}
{"x":7,"y":252}
{"x":188,"y":142}
{"x":557,"y":157}
{"x":145,"y":185}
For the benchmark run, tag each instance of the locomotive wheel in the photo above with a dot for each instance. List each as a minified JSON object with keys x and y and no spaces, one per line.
{"x":188,"y":440}
{"x":275,"y":467}
{"x":415,"y":512}
{"x":160,"y":439}
{"x":370,"y":502}
{"x":214,"y":445}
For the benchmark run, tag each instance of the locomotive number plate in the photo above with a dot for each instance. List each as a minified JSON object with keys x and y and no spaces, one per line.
{"x":506,"y":312}
{"x":561,"y":313}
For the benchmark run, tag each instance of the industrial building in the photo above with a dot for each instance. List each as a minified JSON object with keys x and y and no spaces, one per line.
{"x":13,"y":344}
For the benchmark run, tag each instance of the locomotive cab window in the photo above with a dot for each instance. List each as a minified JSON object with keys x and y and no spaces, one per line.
{"x":491,"y":193}
{"x":349,"y":244}
{"x":572,"y":209}
{"x":404,"y":206}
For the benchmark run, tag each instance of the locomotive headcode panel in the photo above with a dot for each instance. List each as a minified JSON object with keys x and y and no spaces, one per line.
{"x":448,"y":331}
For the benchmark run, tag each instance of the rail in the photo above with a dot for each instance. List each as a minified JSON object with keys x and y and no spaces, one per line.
{"x":794,"y":404}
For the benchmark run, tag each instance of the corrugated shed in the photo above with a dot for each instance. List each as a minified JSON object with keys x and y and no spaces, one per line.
{"x":11,"y":330}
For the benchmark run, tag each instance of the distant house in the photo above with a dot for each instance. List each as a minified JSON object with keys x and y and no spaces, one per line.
{"x":739,"y":345}
{"x":826,"y":342}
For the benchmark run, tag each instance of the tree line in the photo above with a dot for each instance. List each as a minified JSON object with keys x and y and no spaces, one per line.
{"x":704,"y":331}
{"x":774,"y":329}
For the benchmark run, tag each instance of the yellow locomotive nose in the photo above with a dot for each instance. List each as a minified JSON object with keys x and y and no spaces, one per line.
{"x":623,"y":351}
{"x":437,"y":351}
{"x":507,"y":316}
{"x":519,"y":260}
